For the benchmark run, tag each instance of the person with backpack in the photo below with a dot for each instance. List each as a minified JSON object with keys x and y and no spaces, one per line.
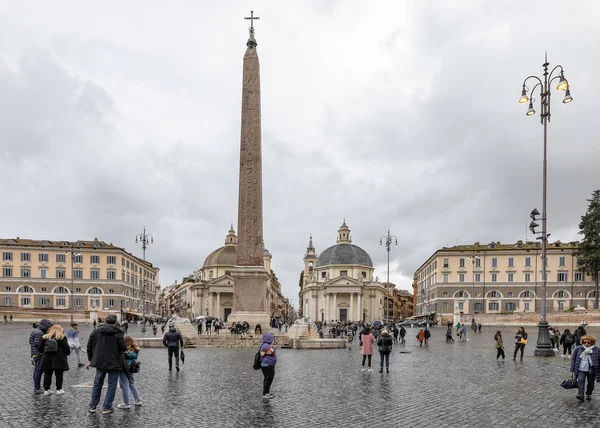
{"x":268,"y":359}
{"x":385,"y":343}
{"x":567,"y":340}
{"x":126,"y":380}
{"x":427,"y":335}
{"x":173,"y":340}
{"x":104,"y":348}
{"x":54,"y":347}
{"x":520,"y":342}
{"x":39,"y":329}
{"x":499,"y":345}
{"x":73,"y":339}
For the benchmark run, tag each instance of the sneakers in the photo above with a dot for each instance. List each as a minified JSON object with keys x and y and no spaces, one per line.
{"x":123,"y":406}
{"x":92,"y":410}
{"x":370,"y":369}
{"x":588,"y":397}
{"x":38,"y":391}
{"x":138,"y":403}
{"x":48,"y":392}
{"x":60,"y":392}
{"x":362,"y":370}
{"x":580,"y":397}
{"x":381,"y":370}
{"x":268,"y":396}
{"x":107,"y":411}
{"x":177,"y":368}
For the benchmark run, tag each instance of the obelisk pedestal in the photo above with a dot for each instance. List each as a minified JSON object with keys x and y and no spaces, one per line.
{"x":250,"y":287}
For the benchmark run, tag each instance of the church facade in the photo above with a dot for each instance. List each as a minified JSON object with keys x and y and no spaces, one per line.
{"x":338,"y":284}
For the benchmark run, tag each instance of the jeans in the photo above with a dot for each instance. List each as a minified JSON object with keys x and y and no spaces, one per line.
{"x":500,"y":353}
{"x":173,"y":350}
{"x":113,"y":378}
{"x":364,"y":358}
{"x":48,"y":379}
{"x":386,"y":356}
{"x":518,"y":346}
{"x":269,"y":375}
{"x":37,"y":372}
{"x":127,"y":384}
{"x":77,"y":350}
{"x":581,"y":378}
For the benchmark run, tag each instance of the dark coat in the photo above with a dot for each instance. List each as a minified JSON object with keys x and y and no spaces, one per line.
{"x":579,"y":333}
{"x":595,"y":357}
{"x":385,"y":343}
{"x":36,"y":335}
{"x":105,"y":346}
{"x":172,"y":338}
{"x":55,"y":360}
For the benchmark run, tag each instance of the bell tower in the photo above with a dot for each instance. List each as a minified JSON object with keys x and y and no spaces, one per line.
{"x":310,"y":258}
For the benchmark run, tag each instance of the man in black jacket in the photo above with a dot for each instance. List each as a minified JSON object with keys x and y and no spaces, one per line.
{"x":173,"y":340}
{"x":104,"y":349}
{"x":36,"y":358}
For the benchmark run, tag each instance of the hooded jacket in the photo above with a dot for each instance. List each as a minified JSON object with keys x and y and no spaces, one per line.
{"x":594,"y":357}
{"x":36,"y":335}
{"x":385,"y":343}
{"x":268,"y":352}
{"x":105,"y":346}
{"x":172,"y":338}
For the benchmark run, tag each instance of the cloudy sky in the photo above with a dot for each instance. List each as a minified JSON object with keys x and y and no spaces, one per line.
{"x":402,"y":114}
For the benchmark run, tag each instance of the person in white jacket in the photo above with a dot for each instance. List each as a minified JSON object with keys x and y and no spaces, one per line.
{"x":73,"y":339}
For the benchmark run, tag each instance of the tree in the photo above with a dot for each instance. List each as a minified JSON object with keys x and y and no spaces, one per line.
{"x":589,"y":247}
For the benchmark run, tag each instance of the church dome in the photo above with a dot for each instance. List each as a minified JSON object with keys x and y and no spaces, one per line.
{"x":224,"y":256}
{"x":344,"y":254}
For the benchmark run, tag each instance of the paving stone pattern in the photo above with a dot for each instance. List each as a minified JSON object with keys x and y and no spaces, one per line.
{"x":444,"y":385}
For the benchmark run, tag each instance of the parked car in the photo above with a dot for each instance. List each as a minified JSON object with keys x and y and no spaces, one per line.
{"x":408,"y":323}
{"x":424,"y":323}
{"x":377,"y":324}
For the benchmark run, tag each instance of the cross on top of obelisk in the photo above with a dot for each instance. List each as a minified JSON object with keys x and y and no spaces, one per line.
{"x":251,"y":42}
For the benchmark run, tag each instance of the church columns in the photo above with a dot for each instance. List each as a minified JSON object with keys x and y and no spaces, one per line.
{"x":335,"y":308}
{"x":327,"y":306}
{"x":360,"y":305}
{"x":352,"y":310}
{"x":210,"y":304}
{"x":218,"y":305}
{"x":316,"y":306}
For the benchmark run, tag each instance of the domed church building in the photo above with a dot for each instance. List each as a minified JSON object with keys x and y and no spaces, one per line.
{"x":338,"y":284}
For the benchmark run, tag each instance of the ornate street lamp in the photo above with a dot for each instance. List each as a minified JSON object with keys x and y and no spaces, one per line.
{"x":387,"y":240}
{"x":146,"y":239}
{"x":543,"y":346}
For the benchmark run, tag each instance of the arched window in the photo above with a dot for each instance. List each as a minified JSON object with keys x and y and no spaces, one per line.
{"x":78,"y":290}
{"x":7,"y":288}
{"x":95,"y":290}
{"x":111,"y":291}
{"x":61,"y":290}
{"x":44,"y":289}
{"x":494,"y":295}
{"x":461,"y":295}
{"x":25,"y":289}
{"x":561,"y":294}
{"x":592,"y":295}
{"x":527,"y":295}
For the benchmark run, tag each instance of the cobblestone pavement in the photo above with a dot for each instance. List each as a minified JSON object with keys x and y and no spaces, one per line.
{"x":443,"y":385}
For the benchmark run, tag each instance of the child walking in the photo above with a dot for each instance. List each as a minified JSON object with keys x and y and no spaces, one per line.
{"x":74,"y":345}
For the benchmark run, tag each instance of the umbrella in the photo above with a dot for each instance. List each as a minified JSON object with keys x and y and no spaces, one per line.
{"x":200,"y":317}
{"x":209,"y":318}
{"x":182,"y":356}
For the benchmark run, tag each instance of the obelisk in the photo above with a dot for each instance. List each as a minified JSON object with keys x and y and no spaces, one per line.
{"x":250,"y":288}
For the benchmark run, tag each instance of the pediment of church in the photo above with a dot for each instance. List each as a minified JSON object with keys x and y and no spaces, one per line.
{"x":225,"y":280}
{"x":343,"y":281}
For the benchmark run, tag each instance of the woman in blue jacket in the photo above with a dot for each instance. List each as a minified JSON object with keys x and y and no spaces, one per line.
{"x":585,"y":364}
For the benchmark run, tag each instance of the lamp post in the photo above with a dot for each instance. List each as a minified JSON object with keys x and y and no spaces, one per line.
{"x":387,"y":240}
{"x":73,"y":255}
{"x":543,"y":346}
{"x":473,"y":258}
{"x":146,"y":239}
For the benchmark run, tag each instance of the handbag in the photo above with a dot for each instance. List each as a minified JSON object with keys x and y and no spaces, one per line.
{"x":569,"y":383}
{"x":182,"y":356}
{"x":256,"y":364}
{"x":523,"y":341}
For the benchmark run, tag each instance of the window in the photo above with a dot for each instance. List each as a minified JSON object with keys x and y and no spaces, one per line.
{"x":43,"y":257}
{"x":527,"y":261}
{"x":494,"y":262}
{"x":78,"y":290}
{"x":111,"y":291}
{"x":527,"y":277}
{"x":77,"y":274}
{"x":446,"y":277}
{"x":477,"y":262}
{"x":477,"y":307}
{"x":461,"y":295}
{"x":95,"y":290}
{"x":493,"y":306}
{"x":122,"y":276}
{"x":579,"y":276}
{"x":122,"y":261}
{"x":7,"y":271}
{"x":7,"y":256}
{"x":493,"y":295}
{"x":110,"y":302}
{"x":561,"y":306}
{"x":461,"y":263}
{"x":43,"y":289}
{"x":446,"y":263}
{"x":510,"y":277}
{"x":445,"y":306}
{"x":60,"y":273}
{"x":526,"y":306}
{"x":61,"y":290}
{"x":111,"y":274}
{"x":578,"y":294}
{"x":25,"y":289}
{"x":25,"y":272}
{"x":364,"y":274}
{"x":494,"y":277}
{"x":43,"y":301}
{"x":477,"y":277}
{"x":526,"y":295}
{"x":61,"y":301}
{"x":94,"y":274}
{"x":510,"y":306}
{"x":25,"y":301}
{"x":562,"y":261}
{"x":111,"y":260}
{"x":461,"y":306}
{"x":43,"y":273}
{"x":560,"y":294}
{"x":343,"y":273}
{"x":323,"y":274}
{"x":511,"y":262}
{"x":461,"y":277}
{"x":25,"y":257}
{"x":77,"y":301}
{"x":61,"y":258}
{"x":562,"y":276}
{"x":94,"y":259}
{"x":127,"y":264}
{"x":6,"y":301}
{"x":7,"y":288}
{"x":128,"y":278}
